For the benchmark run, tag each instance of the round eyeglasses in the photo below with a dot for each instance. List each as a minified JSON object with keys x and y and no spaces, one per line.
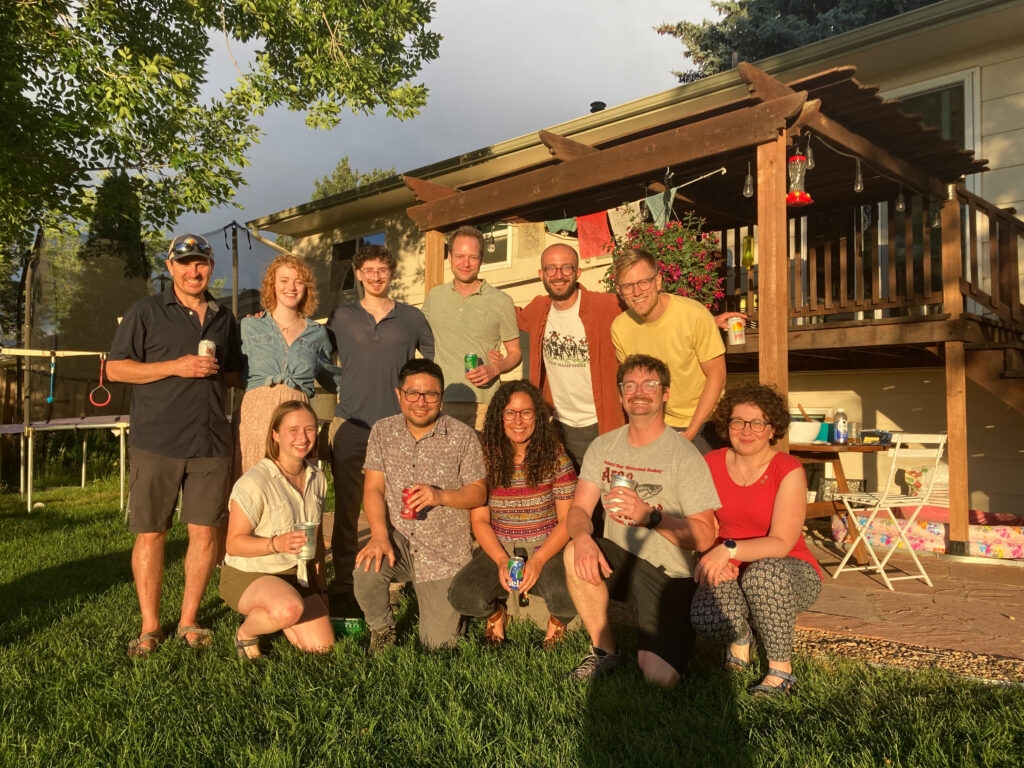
{"x":757,"y":426}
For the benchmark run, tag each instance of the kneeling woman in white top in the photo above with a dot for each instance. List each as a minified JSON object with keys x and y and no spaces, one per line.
{"x":263,"y":577}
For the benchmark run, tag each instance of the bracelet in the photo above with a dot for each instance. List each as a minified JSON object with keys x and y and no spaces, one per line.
{"x":273,"y":549}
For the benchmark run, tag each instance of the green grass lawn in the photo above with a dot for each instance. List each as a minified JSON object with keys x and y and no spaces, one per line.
{"x":70,"y":696}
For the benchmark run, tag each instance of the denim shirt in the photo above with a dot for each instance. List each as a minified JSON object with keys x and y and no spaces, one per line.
{"x":270,"y":360}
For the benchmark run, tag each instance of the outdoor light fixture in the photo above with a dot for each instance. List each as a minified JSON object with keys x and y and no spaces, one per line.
{"x":797,"y":197}
{"x":901,"y":203}
{"x":748,"y":183}
{"x":858,"y":179}
{"x":490,"y":242}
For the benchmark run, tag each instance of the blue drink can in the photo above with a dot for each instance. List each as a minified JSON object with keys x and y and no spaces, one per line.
{"x":515,"y":572}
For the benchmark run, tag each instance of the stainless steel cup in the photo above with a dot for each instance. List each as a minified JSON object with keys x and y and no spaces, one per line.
{"x":308,"y":551}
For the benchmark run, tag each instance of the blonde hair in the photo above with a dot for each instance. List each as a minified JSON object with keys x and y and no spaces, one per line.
{"x":288,"y":406}
{"x":631,"y":257}
{"x":268,"y":297}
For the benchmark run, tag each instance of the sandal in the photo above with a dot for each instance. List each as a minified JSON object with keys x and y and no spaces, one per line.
{"x":145,"y":644}
{"x":735,"y":663}
{"x":241,"y":647}
{"x":203,"y":637}
{"x":497,"y":619}
{"x":764,"y":690}
{"x":554,"y":634}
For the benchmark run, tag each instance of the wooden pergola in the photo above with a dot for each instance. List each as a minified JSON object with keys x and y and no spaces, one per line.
{"x":848,"y":119}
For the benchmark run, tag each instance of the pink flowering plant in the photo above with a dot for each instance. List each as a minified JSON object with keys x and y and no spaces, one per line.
{"x":686,"y":258}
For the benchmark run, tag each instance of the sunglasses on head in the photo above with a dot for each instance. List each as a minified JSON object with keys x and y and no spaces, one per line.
{"x":192,"y":246}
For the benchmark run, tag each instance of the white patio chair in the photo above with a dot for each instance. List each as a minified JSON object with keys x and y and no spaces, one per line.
{"x":922,"y":448}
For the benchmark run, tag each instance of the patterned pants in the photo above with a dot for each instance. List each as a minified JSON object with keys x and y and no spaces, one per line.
{"x":766,"y":598}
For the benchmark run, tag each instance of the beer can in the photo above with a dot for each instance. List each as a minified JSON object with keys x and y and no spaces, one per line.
{"x":515,"y":572}
{"x":471,"y":361}
{"x":408,"y":512}
{"x":207,"y":348}
{"x":621,"y":481}
{"x":737,"y":331}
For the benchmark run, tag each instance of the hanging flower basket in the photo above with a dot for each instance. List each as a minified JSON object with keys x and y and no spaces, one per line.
{"x":686,"y":258}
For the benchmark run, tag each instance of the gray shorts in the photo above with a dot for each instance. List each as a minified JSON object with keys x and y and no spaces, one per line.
{"x":156,"y":480}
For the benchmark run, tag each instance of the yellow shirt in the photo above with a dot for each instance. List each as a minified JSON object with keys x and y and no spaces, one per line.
{"x":683,"y":337}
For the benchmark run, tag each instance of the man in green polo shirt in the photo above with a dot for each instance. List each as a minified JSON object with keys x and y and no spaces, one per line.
{"x":468,"y":316}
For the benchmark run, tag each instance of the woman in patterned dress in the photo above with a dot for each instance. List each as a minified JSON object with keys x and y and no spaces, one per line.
{"x":760,"y":575}
{"x":531,"y":481}
{"x":285,"y":353}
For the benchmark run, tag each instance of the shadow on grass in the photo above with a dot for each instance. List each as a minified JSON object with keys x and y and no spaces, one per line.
{"x":41,"y":598}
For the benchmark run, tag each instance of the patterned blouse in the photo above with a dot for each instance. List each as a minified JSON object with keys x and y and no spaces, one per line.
{"x":522,"y":513}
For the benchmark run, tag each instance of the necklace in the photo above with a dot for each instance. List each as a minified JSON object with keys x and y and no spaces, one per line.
{"x":286,"y":328}
{"x":300,"y":473}
{"x":744,"y":479}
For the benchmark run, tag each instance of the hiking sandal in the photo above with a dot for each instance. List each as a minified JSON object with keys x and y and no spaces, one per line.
{"x":145,"y":644}
{"x":735,"y":663}
{"x":203,"y":637}
{"x":764,"y":690}
{"x":241,"y":647}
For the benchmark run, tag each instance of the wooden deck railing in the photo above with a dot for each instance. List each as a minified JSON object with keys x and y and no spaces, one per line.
{"x":874,"y":262}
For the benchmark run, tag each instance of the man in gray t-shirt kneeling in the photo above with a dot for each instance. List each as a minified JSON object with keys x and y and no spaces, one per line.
{"x":654,"y":523}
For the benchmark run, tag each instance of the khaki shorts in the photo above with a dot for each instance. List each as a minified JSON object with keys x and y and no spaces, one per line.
{"x":234,"y":582}
{"x":154,"y":483}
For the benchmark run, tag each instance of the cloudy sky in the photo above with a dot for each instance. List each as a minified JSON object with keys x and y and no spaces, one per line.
{"x":505,"y":69}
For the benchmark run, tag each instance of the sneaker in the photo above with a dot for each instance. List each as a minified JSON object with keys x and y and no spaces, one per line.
{"x":381,"y":639}
{"x":597,"y":664}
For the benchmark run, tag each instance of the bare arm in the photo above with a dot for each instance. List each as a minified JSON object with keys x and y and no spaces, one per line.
{"x":722,"y":320}
{"x":241,"y":542}
{"x":714,"y":371}
{"x":375,"y":506}
{"x":487,"y":372}
{"x":469,"y":496}
{"x":553,"y":544}
{"x":588,"y":561}
{"x":694,"y":532}
{"x":187,"y":367}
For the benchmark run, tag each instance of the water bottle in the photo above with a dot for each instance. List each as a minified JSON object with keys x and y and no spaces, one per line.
{"x":842,"y":427}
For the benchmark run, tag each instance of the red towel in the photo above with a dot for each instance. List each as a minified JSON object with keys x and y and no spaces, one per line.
{"x":595,"y":238}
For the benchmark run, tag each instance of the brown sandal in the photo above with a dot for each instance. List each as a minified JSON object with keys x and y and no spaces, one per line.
{"x":497,"y":619}
{"x":145,"y":644}
{"x":554,"y":634}
{"x":202,"y":638}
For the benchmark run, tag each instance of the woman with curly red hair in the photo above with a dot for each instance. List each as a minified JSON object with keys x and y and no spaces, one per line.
{"x":285,"y":353}
{"x":531,"y":481}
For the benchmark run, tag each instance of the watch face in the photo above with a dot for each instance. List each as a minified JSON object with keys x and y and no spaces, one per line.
{"x":730,"y":544}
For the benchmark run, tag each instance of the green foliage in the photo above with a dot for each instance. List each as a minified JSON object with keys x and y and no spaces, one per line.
{"x":111,"y":85}
{"x":116,"y":226}
{"x":757,"y":29}
{"x":345,"y":177}
{"x":685,"y":254}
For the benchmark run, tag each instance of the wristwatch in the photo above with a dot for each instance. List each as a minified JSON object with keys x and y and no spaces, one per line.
{"x":654,"y":519}
{"x":730,"y":545}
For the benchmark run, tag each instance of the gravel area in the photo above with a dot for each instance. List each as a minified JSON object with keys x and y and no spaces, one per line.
{"x":997,"y":669}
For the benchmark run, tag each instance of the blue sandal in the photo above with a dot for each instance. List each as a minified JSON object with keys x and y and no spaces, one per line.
{"x":763,"y":690}
{"x":735,"y":663}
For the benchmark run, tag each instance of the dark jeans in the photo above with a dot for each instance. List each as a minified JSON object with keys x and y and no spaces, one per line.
{"x":348,"y":453}
{"x":577,"y":441}
{"x":476,"y":589}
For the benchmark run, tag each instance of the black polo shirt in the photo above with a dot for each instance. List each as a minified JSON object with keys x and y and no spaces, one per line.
{"x":178,"y":417}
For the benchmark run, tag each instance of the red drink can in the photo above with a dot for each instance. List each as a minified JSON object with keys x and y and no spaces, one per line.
{"x":408,"y":512}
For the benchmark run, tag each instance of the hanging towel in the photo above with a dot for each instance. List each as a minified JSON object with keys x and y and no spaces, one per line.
{"x":622,"y":218}
{"x":531,"y":239}
{"x":561,"y":225}
{"x":595,"y":237}
{"x":660,"y":206}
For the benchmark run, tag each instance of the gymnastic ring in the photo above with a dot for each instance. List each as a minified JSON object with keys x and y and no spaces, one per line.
{"x":92,"y":396}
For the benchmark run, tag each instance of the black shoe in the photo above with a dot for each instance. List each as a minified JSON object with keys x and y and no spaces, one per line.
{"x":380,"y":640}
{"x":596,"y":664}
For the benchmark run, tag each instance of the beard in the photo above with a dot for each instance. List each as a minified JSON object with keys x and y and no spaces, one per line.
{"x":563,"y":292}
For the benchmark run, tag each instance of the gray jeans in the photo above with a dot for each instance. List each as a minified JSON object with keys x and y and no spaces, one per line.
{"x":440,"y":624}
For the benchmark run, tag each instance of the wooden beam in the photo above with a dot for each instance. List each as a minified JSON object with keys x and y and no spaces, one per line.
{"x":773,"y":265}
{"x":428,"y":191}
{"x":956,"y":447}
{"x":952,"y":259}
{"x":923,"y":332}
{"x":563,"y":148}
{"x":706,"y":138}
{"x":760,"y":84}
{"x":433,"y":267}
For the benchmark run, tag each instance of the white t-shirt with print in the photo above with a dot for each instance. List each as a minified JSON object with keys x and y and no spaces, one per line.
{"x":567,"y":361}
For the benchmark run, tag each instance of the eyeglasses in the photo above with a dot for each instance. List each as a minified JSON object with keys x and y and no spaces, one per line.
{"x":757,"y":426}
{"x":650,"y":386}
{"x":640,"y":285}
{"x":553,"y":269}
{"x":527,"y":414}
{"x":412,"y":395}
{"x":192,"y":246}
{"x":375,"y":272}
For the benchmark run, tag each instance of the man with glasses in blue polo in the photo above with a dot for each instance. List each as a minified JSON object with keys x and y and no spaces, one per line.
{"x":176,"y":349}
{"x":424,"y":472}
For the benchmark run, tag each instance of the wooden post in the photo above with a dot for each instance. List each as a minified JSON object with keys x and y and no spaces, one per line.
{"x":433,"y":267}
{"x":773,"y":266}
{"x":956,"y":381}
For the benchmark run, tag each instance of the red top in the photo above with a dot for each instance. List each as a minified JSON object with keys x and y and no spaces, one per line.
{"x":746,"y":511}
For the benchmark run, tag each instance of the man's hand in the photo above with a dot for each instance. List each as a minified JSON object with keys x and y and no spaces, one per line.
{"x":373,"y":554}
{"x":195,"y":367}
{"x":485,"y":373}
{"x":715,"y":567}
{"x":424,"y":496}
{"x":722,"y":320}
{"x":589,"y":560}
{"x":626,"y":507}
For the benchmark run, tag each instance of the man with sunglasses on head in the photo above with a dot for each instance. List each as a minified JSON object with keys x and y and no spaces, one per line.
{"x":572,"y":359}
{"x":180,"y":439}
{"x":424,"y":472}
{"x":659,"y":501}
{"x":374,"y":337}
{"x":678,"y":330}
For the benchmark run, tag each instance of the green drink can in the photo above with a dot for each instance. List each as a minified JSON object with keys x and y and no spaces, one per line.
{"x":471,"y":361}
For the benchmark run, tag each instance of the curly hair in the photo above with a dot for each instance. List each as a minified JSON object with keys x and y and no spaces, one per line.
{"x":268,"y":297}
{"x":374,"y":253}
{"x":542,"y":450}
{"x":772,"y":405}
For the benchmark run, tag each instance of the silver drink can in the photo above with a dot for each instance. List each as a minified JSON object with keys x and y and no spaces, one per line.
{"x":621,"y":481}
{"x":737,"y":331}
{"x":207,"y":348}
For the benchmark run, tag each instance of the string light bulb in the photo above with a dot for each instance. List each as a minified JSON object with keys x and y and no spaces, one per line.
{"x":748,"y":183}
{"x":901,"y":202}
{"x":809,"y":154}
{"x":858,"y":179}
{"x":936,"y":219}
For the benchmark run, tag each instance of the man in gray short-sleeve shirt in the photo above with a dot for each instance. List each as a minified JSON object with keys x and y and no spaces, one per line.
{"x":469,"y":316}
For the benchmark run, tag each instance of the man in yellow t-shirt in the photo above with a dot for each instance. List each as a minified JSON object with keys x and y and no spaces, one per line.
{"x":678,"y":330}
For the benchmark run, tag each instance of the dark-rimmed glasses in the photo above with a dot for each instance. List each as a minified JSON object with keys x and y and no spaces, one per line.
{"x":412,"y":395}
{"x":757,"y":426}
{"x":526,"y":414}
{"x":553,"y":269}
{"x":627,"y":289}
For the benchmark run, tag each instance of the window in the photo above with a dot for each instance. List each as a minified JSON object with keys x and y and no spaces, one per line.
{"x":342,"y":286}
{"x":497,"y":248}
